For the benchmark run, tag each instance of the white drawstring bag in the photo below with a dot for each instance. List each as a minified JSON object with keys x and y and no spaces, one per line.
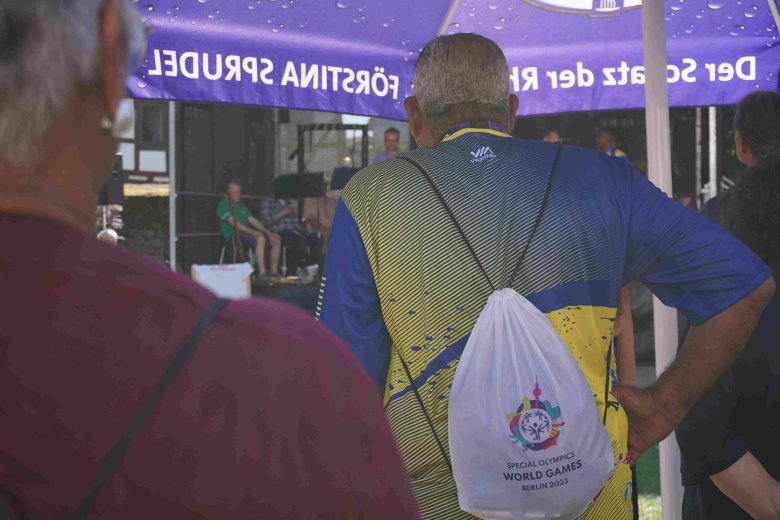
{"x":526,"y":439}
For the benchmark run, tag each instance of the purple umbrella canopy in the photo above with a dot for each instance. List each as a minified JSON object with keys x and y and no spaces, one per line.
{"x":357,"y":56}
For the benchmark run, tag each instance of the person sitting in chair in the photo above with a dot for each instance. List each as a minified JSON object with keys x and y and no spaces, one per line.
{"x":318,"y":213}
{"x":280,"y":216}
{"x":234,"y":216}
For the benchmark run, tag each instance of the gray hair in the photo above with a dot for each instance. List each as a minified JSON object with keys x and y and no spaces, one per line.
{"x":48,"y":49}
{"x":461,"y":69}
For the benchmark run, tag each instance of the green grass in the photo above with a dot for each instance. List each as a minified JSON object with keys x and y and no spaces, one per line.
{"x":649,"y":485}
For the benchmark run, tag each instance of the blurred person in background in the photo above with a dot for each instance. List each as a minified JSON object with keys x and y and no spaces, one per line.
{"x":605,"y":142}
{"x":392,"y":140}
{"x":108,"y":236}
{"x":553,"y":136}
{"x":728,"y":441}
{"x":247,"y":409}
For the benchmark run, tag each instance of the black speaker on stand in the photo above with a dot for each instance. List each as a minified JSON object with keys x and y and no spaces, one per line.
{"x":113,"y":191}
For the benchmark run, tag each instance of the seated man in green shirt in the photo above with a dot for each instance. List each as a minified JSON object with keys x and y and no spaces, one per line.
{"x":232,"y":214}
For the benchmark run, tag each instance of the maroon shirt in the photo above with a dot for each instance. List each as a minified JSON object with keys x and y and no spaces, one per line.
{"x":270,"y":418}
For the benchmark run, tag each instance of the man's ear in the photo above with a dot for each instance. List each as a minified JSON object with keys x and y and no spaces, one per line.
{"x":513,"y":104}
{"x":414,"y":114}
{"x":744,"y":154}
{"x":110,"y":70}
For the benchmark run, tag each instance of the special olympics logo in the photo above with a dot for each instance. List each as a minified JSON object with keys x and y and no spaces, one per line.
{"x":536,"y":424}
{"x":589,"y":7}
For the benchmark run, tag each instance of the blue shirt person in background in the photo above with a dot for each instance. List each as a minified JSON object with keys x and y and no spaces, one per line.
{"x":728,"y":441}
{"x":392,"y":139}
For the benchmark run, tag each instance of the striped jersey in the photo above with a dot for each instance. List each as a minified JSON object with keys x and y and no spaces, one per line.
{"x":399,"y":278}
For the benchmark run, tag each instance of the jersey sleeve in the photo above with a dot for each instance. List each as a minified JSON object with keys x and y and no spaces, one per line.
{"x":223,"y":210}
{"x":349,"y":304}
{"x":685,"y":259}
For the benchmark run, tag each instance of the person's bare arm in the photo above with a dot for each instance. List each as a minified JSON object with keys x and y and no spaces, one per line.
{"x":257,"y":224}
{"x":625,"y":356}
{"x":709,"y":349}
{"x":242,"y":227}
{"x":747,"y":483}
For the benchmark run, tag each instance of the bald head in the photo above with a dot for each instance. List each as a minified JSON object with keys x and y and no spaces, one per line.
{"x":233,"y":191}
{"x":462,"y":77}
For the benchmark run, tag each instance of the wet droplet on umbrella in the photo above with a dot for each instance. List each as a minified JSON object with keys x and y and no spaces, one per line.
{"x":341,"y":4}
{"x":173,"y":10}
{"x":715,"y":4}
{"x":752,"y":11}
{"x":737,"y":30}
{"x":500,"y":24}
{"x":148,"y":7}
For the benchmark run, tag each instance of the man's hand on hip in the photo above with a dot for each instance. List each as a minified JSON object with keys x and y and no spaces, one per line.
{"x":648,"y":423}
{"x":709,"y":350}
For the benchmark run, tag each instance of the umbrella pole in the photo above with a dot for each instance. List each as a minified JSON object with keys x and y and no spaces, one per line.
{"x":172,"y":230}
{"x":660,"y":169}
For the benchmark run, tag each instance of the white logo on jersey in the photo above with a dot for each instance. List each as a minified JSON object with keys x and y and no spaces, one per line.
{"x":481,"y":154}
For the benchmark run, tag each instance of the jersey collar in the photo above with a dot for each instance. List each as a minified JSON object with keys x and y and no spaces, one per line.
{"x":488,"y":127}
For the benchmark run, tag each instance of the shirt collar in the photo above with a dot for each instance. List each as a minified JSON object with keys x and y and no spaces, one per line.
{"x":467,"y":126}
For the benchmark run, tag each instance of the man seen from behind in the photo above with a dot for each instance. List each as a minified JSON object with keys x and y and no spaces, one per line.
{"x":393,"y":290}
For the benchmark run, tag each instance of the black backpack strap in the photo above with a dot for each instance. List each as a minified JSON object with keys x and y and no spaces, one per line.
{"x":119,"y":449}
{"x":538,"y":221}
{"x":424,"y":411}
{"x":462,"y":234}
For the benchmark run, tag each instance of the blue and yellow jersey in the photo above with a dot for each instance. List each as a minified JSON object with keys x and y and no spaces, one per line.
{"x":616,"y":152}
{"x":399,"y":278}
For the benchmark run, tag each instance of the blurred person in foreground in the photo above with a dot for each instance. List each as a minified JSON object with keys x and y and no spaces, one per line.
{"x":728,"y":441}
{"x":390,"y":287}
{"x":269,"y":417}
